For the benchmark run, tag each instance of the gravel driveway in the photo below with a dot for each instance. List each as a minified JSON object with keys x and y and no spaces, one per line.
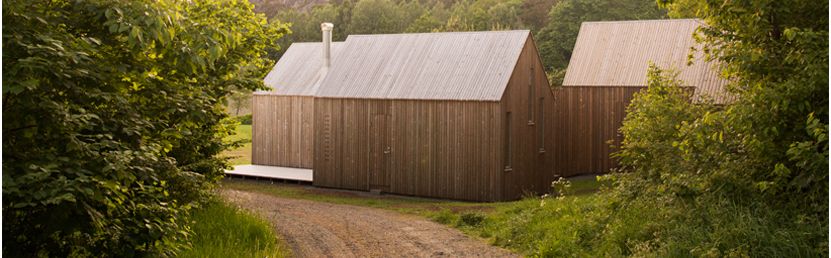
{"x":317,"y":229}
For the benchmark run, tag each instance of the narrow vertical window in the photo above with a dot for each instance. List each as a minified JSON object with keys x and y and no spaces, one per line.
{"x":327,"y":137}
{"x":531,"y":96}
{"x":507,"y":140}
{"x":541,"y":126}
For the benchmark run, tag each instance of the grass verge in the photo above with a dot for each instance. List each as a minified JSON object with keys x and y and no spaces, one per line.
{"x":223,"y":230}
{"x":241,"y":155}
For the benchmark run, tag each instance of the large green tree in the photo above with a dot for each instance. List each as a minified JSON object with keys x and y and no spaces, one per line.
{"x":776,"y":53}
{"x":113,"y":118}
{"x":376,"y":17}
{"x":749,"y":178}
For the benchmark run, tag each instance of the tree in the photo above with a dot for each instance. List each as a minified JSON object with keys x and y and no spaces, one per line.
{"x":375,"y":17}
{"x":113,"y":118}
{"x":557,"y":38}
{"x":777,"y":53}
{"x":534,"y":13}
{"x":425,"y":23}
{"x":411,"y":11}
{"x":758,"y":164}
{"x":240,"y":101}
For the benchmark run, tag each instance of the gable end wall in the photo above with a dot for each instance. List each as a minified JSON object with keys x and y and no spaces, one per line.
{"x":531,"y":147}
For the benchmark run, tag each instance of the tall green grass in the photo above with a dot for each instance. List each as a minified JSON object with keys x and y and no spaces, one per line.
{"x":599,"y":226}
{"x":222,"y":230}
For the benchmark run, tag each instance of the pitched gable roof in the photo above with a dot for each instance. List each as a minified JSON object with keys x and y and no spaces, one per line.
{"x":299,"y":70}
{"x":618,"y":53}
{"x":437,"y":66}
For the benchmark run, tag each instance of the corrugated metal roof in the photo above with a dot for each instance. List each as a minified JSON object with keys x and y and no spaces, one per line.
{"x":438,"y":66}
{"x":298,"y":72}
{"x":618,"y":53}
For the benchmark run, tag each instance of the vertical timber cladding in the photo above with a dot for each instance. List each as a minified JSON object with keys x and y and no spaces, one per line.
{"x":282,"y":130}
{"x":529,"y":99}
{"x":587,"y":129}
{"x":433,"y":148}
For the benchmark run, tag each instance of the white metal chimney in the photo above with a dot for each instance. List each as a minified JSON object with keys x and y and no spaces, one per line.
{"x":327,"y":43}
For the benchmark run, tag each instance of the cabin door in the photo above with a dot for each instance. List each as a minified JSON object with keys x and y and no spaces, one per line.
{"x":380,"y":153}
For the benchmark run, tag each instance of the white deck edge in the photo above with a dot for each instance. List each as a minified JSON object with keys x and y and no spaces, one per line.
{"x":274,"y":172}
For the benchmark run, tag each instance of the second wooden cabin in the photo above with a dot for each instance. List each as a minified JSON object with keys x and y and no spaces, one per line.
{"x":608,"y":66}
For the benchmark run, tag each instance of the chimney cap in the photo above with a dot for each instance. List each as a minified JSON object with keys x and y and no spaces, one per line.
{"x":326,"y":26}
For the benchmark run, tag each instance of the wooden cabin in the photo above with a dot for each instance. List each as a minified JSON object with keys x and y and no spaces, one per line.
{"x":608,"y":65}
{"x":283,"y":117}
{"x":461,"y":115}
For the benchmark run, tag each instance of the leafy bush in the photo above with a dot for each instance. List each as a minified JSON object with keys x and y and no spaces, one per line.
{"x":746,"y":179}
{"x":749,"y":179}
{"x":471,"y":219}
{"x":244,"y":119}
{"x":113,"y":119}
{"x":444,"y":216}
{"x":707,"y":193}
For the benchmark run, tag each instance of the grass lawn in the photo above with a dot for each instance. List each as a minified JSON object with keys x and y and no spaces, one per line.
{"x":222,"y":230}
{"x":518,"y":225}
{"x":242,"y":155}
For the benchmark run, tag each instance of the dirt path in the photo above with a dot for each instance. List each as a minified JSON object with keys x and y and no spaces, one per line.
{"x":317,"y":229}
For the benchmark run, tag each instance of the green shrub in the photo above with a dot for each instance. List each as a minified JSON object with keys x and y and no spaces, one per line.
{"x":707,"y":192}
{"x":444,"y":216}
{"x":244,"y":119}
{"x":113,"y":119}
{"x":471,"y":219}
{"x":746,"y":179}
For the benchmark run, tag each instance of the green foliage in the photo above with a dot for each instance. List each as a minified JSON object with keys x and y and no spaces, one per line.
{"x":444,"y":216}
{"x":471,"y":219}
{"x":780,"y":65}
{"x":549,"y":227}
{"x":556,"y":77}
{"x":113,"y":117}
{"x":244,"y":119}
{"x":222,"y":230}
{"x":424,"y":23}
{"x":239,"y":102}
{"x":397,"y":16}
{"x":534,"y":13}
{"x":376,"y":17}
{"x":652,"y":125}
{"x":749,"y":178}
{"x":483,"y":15}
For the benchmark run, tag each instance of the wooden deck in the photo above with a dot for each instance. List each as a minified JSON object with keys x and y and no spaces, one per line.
{"x":284,"y":173}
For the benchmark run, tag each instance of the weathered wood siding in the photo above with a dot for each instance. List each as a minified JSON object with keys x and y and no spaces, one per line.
{"x":529,"y":164}
{"x":588,"y":122}
{"x":443,"y":149}
{"x":282,"y":130}
{"x":458,"y":149}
